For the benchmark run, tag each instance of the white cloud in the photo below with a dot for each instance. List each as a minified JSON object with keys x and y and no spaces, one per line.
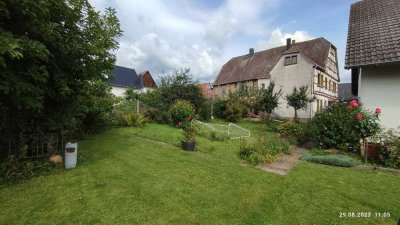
{"x":278,"y":38}
{"x":161,"y":36}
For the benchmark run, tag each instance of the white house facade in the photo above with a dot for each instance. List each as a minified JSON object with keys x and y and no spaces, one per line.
{"x":373,"y":55}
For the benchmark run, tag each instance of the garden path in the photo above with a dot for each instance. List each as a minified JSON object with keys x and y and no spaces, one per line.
{"x":285,"y":162}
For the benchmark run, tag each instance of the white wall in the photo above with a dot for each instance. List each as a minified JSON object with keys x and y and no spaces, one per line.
{"x":118,"y":91}
{"x":380,"y":87}
{"x":288,"y":77}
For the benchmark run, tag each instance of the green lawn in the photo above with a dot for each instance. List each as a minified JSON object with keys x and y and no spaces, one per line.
{"x":127,"y":176}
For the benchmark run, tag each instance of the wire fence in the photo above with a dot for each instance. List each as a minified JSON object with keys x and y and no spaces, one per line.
{"x":232,"y":131}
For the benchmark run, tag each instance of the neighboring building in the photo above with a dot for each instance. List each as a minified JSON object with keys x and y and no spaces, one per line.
{"x":206,"y":89}
{"x":344,"y":92}
{"x":125,"y":78}
{"x":147,"y":80}
{"x":373,"y":55}
{"x":311,"y":63}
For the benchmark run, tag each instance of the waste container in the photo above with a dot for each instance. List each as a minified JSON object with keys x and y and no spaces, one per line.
{"x":71,"y":155}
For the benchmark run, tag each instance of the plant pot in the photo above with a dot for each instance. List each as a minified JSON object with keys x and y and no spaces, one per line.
{"x":188,"y":146}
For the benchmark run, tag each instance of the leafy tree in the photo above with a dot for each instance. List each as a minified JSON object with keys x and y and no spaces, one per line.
{"x":246,"y":95}
{"x":55,"y":57}
{"x":299,"y":99}
{"x":269,"y":99}
{"x":181,"y":85}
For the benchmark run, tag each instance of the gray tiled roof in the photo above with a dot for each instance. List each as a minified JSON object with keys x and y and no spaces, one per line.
{"x":125,"y":77}
{"x":374,"y":33}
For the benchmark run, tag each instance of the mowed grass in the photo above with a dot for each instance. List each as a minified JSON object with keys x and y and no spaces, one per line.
{"x":139,"y":176}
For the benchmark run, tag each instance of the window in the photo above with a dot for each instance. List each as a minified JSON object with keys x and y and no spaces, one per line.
{"x":330,"y":85}
{"x":290,"y":60}
{"x":317,"y":105}
{"x":326,"y":83}
{"x":263,"y":86}
{"x":320,"y":80}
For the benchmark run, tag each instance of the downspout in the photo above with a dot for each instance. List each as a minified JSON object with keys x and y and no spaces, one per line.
{"x":312,"y":91}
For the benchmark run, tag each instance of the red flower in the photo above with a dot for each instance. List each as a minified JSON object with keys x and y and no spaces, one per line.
{"x":179,"y":124}
{"x":359,"y":116}
{"x":188,"y":119}
{"x":378,"y":110}
{"x":354,"y":103}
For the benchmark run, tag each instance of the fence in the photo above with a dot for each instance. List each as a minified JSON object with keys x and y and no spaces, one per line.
{"x":31,"y":145}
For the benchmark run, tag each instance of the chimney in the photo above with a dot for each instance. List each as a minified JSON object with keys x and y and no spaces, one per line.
{"x":251,"y":51}
{"x":288,"y":43}
{"x":293,"y":42}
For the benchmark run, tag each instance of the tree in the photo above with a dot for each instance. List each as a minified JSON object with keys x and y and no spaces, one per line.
{"x":181,"y":85}
{"x":54,"y":60}
{"x":247,"y":96}
{"x":269,"y":99}
{"x":299,"y":99}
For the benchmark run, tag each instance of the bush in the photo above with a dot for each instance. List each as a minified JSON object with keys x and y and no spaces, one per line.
{"x":342,"y":126}
{"x":219,"y":108}
{"x":389,"y":148}
{"x":128,"y":119}
{"x":263,"y":149}
{"x":181,"y":111}
{"x":17,"y":168}
{"x":205,"y":111}
{"x":333,"y":160}
{"x":334,"y":128}
{"x":234,"y":111}
{"x":289,"y":129}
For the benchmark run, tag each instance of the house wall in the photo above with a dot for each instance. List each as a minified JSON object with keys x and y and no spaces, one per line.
{"x":288,"y":77}
{"x":380,"y":87}
{"x":263,"y":81}
{"x":118,"y":91}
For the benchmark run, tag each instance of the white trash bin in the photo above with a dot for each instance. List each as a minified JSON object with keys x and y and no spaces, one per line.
{"x":71,"y":155}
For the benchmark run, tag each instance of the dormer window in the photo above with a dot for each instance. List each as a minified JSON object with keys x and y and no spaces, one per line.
{"x":290,"y":60}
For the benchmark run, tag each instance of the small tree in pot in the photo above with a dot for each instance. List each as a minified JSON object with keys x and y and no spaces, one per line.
{"x":182,"y":114}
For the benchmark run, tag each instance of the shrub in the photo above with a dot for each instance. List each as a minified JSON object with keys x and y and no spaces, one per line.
{"x":128,"y":119}
{"x":219,"y":108}
{"x":181,"y":111}
{"x":263,"y":149}
{"x":389,"y":148}
{"x":16,"y":168}
{"x":234,"y":111}
{"x":289,"y":129}
{"x":333,"y":160}
{"x":205,"y":111}
{"x":333,"y":128}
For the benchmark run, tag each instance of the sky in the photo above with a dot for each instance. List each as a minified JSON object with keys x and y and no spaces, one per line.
{"x":166,"y":35}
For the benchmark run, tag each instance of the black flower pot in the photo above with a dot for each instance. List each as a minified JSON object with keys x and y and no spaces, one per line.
{"x":188,"y":146}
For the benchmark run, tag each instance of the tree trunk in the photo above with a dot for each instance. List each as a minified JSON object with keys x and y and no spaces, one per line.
{"x":296,"y":119}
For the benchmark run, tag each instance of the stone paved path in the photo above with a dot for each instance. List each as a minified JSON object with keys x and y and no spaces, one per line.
{"x":284,"y":163}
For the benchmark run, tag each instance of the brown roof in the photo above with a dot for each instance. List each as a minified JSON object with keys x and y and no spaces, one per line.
{"x":147,"y":80}
{"x":243,"y":68}
{"x":374,"y":33}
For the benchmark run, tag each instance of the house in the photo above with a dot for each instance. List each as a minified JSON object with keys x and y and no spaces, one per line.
{"x":344,"y":92}
{"x":147,"y":80}
{"x":125,"y":78}
{"x":311,"y":63}
{"x":373,"y":55}
{"x":206,"y":90}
